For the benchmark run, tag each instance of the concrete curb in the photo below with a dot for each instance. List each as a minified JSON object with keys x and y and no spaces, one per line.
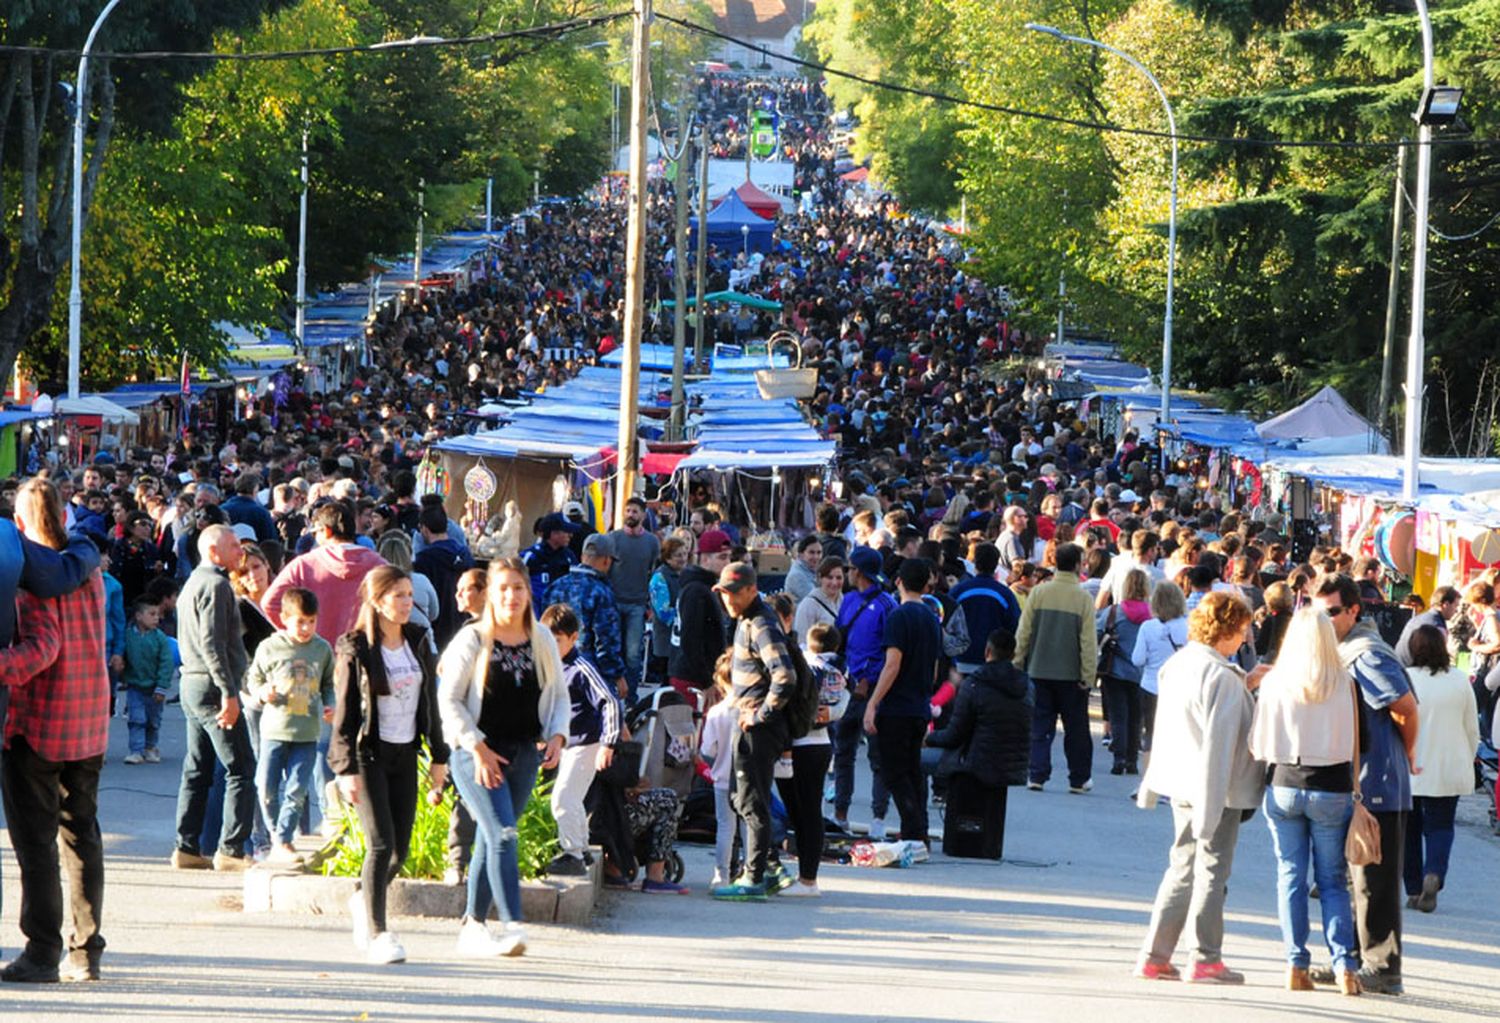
{"x":273,"y":889}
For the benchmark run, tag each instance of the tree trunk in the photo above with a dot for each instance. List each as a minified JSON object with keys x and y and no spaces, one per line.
{"x":45,"y":246}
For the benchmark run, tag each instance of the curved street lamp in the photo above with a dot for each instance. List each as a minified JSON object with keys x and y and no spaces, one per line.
{"x":75,"y":284}
{"x":1166,"y":333}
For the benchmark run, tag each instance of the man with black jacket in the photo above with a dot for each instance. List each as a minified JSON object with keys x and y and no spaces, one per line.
{"x":699,"y":633}
{"x":765,"y":679}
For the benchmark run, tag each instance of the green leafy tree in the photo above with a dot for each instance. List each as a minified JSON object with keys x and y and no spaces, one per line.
{"x":912,"y":142}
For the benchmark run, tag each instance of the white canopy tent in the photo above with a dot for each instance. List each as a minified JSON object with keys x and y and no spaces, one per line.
{"x":94,"y":405}
{"x":1325,"y":424}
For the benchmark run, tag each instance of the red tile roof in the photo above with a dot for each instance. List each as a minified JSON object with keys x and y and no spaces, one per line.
{"x":756,"y":19}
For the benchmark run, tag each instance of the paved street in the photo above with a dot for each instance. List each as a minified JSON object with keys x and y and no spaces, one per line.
{"x":1049,"y":934}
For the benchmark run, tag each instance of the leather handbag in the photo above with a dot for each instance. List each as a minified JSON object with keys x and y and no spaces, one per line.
{"x":1362,"y":843}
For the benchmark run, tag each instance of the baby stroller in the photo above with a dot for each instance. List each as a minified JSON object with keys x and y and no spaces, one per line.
{"x":1487,"y":769}
{"x":666,"y":725}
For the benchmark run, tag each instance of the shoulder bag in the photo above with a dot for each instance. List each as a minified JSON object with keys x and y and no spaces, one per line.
{"x":1362,"y":843}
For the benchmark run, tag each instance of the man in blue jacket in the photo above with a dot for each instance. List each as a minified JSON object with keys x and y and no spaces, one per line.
{"x":40,"y":570}
{"x":861,"y":623}
{"x":987,"y":605}
{"x":244,"y":509}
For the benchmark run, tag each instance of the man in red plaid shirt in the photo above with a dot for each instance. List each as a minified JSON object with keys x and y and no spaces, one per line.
{"x":55,"y":737}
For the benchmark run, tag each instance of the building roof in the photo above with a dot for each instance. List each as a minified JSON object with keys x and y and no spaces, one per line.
{"x":756,"y":19}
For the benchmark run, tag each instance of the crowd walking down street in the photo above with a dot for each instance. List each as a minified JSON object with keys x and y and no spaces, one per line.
{"x":327,"y":655}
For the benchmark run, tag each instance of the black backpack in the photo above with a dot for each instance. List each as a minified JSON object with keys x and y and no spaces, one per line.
{"x":807,"y":693}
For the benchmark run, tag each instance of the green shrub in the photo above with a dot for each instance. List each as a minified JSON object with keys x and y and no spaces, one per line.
{"x":427,"y":858}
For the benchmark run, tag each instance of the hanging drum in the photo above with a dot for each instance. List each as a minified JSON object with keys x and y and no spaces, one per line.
{"x":1396,"y":542}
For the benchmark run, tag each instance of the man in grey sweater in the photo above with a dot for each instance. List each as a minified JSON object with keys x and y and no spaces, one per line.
{"x":637,"y":551}
{"x":213,"y":665}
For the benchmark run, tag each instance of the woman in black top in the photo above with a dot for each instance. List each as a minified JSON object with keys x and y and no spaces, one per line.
{"x":502,"y":698}
{"x":384,"y":680}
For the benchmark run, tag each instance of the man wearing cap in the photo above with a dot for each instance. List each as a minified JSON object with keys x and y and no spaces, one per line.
{"x":549,"y":559}
{"x":861,"y":621}
{"x":587,"y":591}
{"x":636,"y":551}
{"x":765,"y":679}
{"x":699,"y":634}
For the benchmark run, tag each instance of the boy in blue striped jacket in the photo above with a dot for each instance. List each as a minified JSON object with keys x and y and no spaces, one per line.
{"x":594,"y":730}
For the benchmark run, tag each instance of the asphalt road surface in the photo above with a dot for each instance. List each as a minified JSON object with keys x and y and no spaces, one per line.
{"x":1050,"y":933}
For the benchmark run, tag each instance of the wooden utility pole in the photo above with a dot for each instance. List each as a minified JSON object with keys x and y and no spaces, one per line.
{"x":701,"y":275}
{"x":635,"y":263}
{"x":1392,"y":297}
{"x":680,"y":186}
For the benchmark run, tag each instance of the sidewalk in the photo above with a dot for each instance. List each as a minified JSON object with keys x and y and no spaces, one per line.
{"x":1048,"y":934}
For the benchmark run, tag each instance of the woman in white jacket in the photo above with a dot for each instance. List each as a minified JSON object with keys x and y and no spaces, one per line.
{"x":1159,"y":637}
{"x":1447,"y":737}
{"x":505,"y":713}
{"x":1202,"y":763}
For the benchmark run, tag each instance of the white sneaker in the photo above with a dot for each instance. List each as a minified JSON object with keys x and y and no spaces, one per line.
{"x":802,"y":890}
{"x":361,"y":919}
{"x":476,"y":941}
{"x":718,"y":881}
{"x":877,"y":829}
{"x":134,"y":758}
{"x":513,"y":942}
{"x":385,"y":948}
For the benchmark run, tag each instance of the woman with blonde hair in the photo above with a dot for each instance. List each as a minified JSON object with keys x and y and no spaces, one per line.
{"x":1305,"y":733}
{"x":1201,"y":761}
{"x":506,"y":712}
{"x":383,"y":678}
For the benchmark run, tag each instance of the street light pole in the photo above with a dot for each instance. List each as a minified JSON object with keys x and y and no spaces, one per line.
{"x":1416,"y":344}
{"x":1165,"y":414}
{"x":302,"y":256}
{"x":75,"y":282}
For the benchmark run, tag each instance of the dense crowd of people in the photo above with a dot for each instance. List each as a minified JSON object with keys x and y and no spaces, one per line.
{"x":976,"y":562}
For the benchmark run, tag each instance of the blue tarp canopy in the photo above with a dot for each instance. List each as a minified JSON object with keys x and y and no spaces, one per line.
{"x":727,"y":224}
{"x":579,"y":419}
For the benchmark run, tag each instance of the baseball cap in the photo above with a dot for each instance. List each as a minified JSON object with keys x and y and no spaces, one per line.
{"x":735,"y":577}
{"x":553,"y":523}
{"x":713,"y":541}
{"x":1129,"y":496}
{"x":573,"y":510}
{"x":868,"y":561}
{"x":598,"y":545}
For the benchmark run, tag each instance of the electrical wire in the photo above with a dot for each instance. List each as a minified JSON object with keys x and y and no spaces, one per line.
{"x":558,"y":28}
{"x":1440,"y":236}
{"x":1076,"y":122}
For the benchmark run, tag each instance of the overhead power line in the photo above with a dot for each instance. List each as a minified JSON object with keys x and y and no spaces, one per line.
{"x":1076,"y":122}
{"x":557,"y":29}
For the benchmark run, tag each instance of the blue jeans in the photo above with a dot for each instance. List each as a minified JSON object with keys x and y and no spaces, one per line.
{"x":1307,"y":823}
{"x":211,"y":748}
{"x":281,"y":801}
{"x":260,"y":833}
{"x":495,"y":867}
{"x":633,"y":644}
{"x":1429,"y":840}
{"x":1070,"y":701}
{"x":143,"y":712}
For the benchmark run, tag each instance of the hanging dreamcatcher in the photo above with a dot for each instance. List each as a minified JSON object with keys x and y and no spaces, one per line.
{"x":479,"y":488}
{"x":432,"y":476}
